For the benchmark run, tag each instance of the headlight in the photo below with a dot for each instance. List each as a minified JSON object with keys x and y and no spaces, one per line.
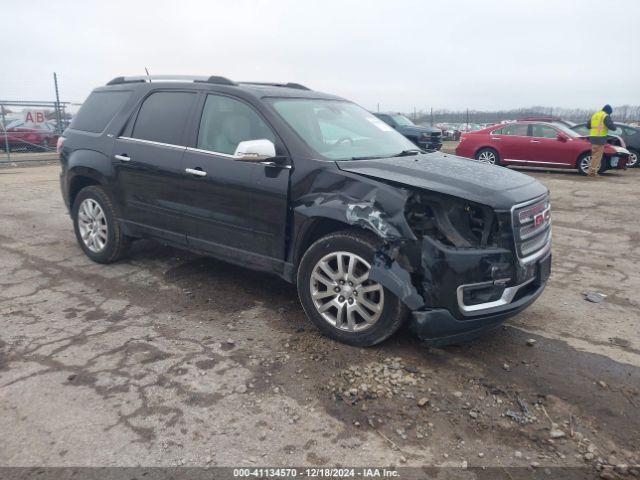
{"x":452,"y":221}
{"x":426,"y":135}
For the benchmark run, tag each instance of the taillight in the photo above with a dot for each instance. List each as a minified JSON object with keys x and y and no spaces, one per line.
{"x":59,"y":145}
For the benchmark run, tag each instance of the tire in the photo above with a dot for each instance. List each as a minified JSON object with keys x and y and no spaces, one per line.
{"x":488,"y":155}
{"x":350,"y":326}
{"x":109,"y":242}
{"x":583,"y":164}
{"x":633,"y":158}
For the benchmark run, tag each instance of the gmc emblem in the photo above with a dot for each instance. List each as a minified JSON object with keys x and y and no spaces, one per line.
{"x":539,"y":219}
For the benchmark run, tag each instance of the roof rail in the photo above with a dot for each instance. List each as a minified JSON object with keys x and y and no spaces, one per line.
{"x":286,"y":85}
{"x":172,"y":78}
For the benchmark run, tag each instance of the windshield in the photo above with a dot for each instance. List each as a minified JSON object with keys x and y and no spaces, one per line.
{"x":15,"y":124}
{"x":566,"y":130}
{"x":340,"y":130}
{"x":402,"y":120}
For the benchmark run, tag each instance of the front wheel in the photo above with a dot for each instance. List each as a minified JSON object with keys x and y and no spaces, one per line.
{"x":584,"y":162}
{"x":488,"y":155}
{"x":97,"y":231}
{"x":633,"y":159}
{"x":338,"y":296}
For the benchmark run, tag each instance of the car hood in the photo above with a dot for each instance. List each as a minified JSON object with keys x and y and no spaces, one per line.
{"x":417,"y":129}
{"x":497,"y":187}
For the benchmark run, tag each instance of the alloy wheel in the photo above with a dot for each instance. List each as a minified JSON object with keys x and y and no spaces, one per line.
{"x":487,"y":157}
{"x":92,"y":224}
{"x":585,"y":162}
{"x":343,"y":294}
{"x":633,"y":159}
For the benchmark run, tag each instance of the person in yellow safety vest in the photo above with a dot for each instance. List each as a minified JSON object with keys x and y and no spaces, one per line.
{"x":599,"y":127}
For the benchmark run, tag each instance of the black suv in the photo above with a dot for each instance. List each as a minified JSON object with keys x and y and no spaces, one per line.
{"x":315,"y":189}
{"x":427,"y":138}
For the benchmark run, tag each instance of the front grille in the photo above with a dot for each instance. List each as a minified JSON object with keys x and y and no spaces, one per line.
{"x":532,"y":227}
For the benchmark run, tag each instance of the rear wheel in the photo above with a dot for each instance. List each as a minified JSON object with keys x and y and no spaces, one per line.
{"x":337,"y":295}
{"x":633,"y":158}
{"x":488,"y":155}
{"x":97,"y":231}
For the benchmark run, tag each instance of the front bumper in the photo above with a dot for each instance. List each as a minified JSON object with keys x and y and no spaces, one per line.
{"x":438,"y":327}
{"x":615,"y":162}
{"x":430,"y":144}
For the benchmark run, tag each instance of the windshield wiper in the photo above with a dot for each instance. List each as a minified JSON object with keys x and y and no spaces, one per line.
{"x":408,"y":153}
{"x":370,"y":157}
{"x":404,"y":153}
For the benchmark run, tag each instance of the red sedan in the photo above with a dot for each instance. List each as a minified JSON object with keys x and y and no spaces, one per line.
{"x":537,"y":144}
{"x":25,"y":136}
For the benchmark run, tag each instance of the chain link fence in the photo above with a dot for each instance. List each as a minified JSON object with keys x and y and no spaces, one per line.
{"x":29,"y":129}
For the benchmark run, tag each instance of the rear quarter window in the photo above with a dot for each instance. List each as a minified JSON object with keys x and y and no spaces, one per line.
{"x":98,"y":110}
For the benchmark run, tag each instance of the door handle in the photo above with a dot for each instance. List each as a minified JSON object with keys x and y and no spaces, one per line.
{"x":122,"y":158}
{"x":196,"y":171}
{"x":535,"y":141}
{"x":495,"y":138}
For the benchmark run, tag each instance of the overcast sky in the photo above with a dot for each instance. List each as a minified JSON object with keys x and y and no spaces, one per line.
{"x":480,"y":54}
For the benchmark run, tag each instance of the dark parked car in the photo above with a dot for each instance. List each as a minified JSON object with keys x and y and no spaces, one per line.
{"x":427,"y":138}
{"x":21,"y":135}
{"x":312,"y":188}
{"x":537,"y":144}
{"x":629,"y":134}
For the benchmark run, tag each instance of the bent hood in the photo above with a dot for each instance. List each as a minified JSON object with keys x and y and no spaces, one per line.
{"x":497,"y":187}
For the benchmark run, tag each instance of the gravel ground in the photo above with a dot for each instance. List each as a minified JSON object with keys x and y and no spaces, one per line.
{"x":170,"y":359}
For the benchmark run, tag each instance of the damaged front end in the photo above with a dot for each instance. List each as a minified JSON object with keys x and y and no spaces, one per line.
{"x":478,"y":266}
{"x":458,"y":265}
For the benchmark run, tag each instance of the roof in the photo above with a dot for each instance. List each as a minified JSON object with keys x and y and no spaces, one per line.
{"x":257,"y":89}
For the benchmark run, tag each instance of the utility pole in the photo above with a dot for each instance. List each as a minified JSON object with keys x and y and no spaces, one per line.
{"x":378,"y":106}
{"x":467,"y":119}
{"x":58,"y":116}
{"x":415,"y":115}
{"x":431,"y":115}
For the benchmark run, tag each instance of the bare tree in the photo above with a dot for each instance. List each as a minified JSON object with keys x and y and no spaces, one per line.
{"x":622,"y":113}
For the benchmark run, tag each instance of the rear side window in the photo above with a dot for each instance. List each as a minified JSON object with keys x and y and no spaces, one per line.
{"x":98,"y":110}
{"x":163,"y":116}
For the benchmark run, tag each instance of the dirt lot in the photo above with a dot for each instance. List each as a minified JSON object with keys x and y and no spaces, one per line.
{"x":171,"y":359}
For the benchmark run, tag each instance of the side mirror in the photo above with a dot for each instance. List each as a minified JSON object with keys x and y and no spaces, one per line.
{"x":561,"y":138}
{"x":255,"y":150}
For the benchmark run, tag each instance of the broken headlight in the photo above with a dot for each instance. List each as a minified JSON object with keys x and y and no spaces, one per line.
{"x":452,"y":221}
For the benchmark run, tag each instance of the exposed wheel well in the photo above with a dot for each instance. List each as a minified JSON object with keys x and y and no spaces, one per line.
{"x":318,"y":229}
{"x":78,"y":183}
